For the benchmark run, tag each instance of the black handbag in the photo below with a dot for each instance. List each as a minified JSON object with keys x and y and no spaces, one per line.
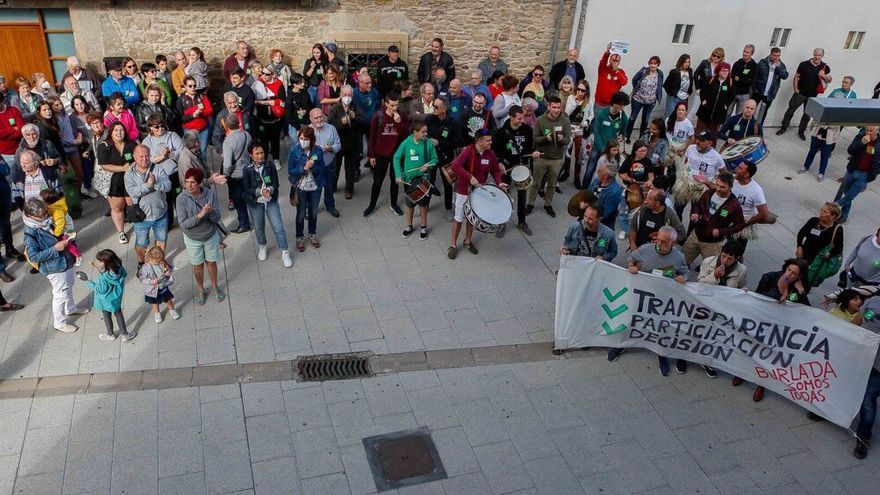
{"x":134,"y":214}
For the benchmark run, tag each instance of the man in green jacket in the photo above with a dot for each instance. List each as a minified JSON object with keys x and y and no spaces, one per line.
{"x":551,"y":135}
{"x":610,"y":123}
{"x":413,"y":161}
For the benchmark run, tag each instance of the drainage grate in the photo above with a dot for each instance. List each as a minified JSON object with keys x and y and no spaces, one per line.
{"x":333,"y":366}
{"x":404,"y":458}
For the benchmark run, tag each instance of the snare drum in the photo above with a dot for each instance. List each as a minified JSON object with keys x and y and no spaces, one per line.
{"x":448,"y":174}
{"x":750,"y":149}
{"x":521,"y":177}
{"x":488,"y":208}
{"x":418,"y":189}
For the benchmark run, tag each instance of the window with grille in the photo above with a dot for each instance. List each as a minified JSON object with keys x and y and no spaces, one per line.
{"x":780,"y":37}
{"x":853,"y":40}
{"x":682,"y":34}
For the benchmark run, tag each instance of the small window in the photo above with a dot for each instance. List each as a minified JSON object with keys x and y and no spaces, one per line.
{"x":853,"y":40}
{"x":780,"y":37}
{"x":682,"y":34}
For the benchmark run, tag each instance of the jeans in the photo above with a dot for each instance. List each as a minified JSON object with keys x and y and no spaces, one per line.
{"x":120,"y":322}
{"x":236,"y":194}
{"x":645,"y":109}
{"x":204,"y":137}
{"x":329,"y":185}
{"x":671,"y":102}
{"x":308,"y":203}
{"x":259,"y":212}
{"x":63,"y":303}
{"x":592,"y":162}
{"x":88,"y":167}
{"x":159,"y":227}
{"x":868,"y":411}
{"x":383,"y":166}
{"x":5,"y":214}
{"x":313,"y":93}
{"x":816,"y":145}
{"x":762,"y":111}
{"x":623,"y":212}
{"x":797,"y":100}
{"x":853,"y":184}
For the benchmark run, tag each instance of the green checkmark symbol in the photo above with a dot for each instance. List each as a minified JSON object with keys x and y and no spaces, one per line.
{"x":612,"y":313}
{"x":613,"y":297}
{"x":609,"y":330}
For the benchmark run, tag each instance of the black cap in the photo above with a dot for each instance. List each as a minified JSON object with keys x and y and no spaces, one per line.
{"x":393,"y":49}
{"x":705,"y":136}
{"x":115,"y":65}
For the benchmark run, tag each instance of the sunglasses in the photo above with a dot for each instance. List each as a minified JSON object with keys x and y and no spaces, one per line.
{"x":130,"y":66}
{"x":538,"y":74}
{"x":160,"y":126}
{"x":268,"y":73}
{"x":190,"y":85}
{"x":582,"y":90}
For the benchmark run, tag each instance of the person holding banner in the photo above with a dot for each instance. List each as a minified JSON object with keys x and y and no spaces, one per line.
{"x":868,"y":412}
{"x":788,"y":284}
{"x":724,"y":269}
{"x":588,"y":237}
{"x":662,"y":258}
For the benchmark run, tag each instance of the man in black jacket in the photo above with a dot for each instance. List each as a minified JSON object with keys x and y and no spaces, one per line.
{"x":569,"y":66}
{"x":770,"y":72}
{"x":237,"y":85}
{"x":298,"y":104}
{"x":391,"y":69}
{"x":513,"y":146}
{"x":742,"y":73}
{"x":862,"y":169}
{"x":433,"y":59}
{"x":350,"y":123}
{"x":446,"y":133}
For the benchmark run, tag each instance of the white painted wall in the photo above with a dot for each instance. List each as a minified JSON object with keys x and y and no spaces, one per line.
{"x":649,"y":24}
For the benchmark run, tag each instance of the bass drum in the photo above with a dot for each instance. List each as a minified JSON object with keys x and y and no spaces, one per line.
{"x":488,"y":208}
{"x":750,"y":149}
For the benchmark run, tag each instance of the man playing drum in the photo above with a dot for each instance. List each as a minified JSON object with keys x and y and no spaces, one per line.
{"x":472,"y":168}
{"x":413,"y":162}
{"x":513,"y":146}
{"x":741,"y":126}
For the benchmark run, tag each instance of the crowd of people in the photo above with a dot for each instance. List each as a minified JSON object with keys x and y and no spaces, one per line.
{"x":157,"y":142}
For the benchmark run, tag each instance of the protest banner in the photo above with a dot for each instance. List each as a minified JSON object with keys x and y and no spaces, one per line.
{"x":619,"y":47}
{"x":808,"y":356}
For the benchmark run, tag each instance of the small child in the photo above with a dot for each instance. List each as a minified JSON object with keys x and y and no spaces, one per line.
{"x":155,"y":275}
{"x":63,"y":229}
{"x":108,"y":287}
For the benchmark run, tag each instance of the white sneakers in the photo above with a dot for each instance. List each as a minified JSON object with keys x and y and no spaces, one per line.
{"x":175,"y":315}
{"x":92,"y":193}
{"x":158,"y":317}
{"x":67,"y":328}
{"x":286,"y":260}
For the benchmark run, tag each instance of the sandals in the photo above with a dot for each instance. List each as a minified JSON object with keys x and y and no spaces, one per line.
{"x":300,"y":244}
{"x":201,"y":297}
{"x":314,"y":240}
{"x":219,"y":296}
{"x":11,"y":307}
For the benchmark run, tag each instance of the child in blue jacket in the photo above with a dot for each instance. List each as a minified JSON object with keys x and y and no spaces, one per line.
{"x":108,"y":288}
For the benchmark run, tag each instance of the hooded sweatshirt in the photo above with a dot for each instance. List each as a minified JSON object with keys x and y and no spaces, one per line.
{"x":108,"y":288}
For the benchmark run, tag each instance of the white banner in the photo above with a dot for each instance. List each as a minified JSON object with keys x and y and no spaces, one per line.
{"x":619,"y":47}
{"x":804,"y":354}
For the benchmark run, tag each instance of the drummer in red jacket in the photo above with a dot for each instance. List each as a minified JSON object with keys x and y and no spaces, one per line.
{"x":472,"y":167}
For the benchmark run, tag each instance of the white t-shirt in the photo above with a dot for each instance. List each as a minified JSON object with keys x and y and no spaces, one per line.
{"x":709,"y":163}
{"x":770,"y":75}
{"x":681,"y":133}
{"x":683,"y":87}
{"x":750,"y":197}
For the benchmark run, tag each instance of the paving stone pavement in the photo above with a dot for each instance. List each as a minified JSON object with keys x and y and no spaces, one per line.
{"x":578,"y":425}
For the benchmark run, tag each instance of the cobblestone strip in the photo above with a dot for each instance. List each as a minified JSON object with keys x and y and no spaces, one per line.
{"x":271,"y":371}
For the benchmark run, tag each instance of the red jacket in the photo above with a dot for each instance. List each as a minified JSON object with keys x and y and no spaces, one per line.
{"x":609,"y":81}
{"x":10,"y":130}
{"x":384,"y":140}
{"x":231,"y":63}
{"x":187,"y":107}
{"x":470,"y":163}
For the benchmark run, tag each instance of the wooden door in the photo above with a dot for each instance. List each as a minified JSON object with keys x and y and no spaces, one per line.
{"x":24,"y":52}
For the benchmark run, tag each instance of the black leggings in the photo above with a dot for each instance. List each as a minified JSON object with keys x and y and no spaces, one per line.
{"x":349,"y":161}
{"x":520,"y":199}
{"x":120,"y":321}
{"x":382,"y":167}
{"x":171,"y":197}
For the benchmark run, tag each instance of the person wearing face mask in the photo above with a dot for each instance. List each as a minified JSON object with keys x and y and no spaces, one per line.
{"x":350,"y":124}
{"x":327,"y":139}
{"x":55,"y":262}
{"x":306,"y":173}
{"x":716,"y":95}
{"x":440,"y":82}
{"x":436,"y":57}
{"x":261,"y":186}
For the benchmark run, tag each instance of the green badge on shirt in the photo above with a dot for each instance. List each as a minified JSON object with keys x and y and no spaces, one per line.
{"x":602,"y":242}
{"x":876,"y":263}
{"x":546,"y":132}
{"x":11,"y":121}
{"x":445,"y":133}
{"x":670,"y":273}
{"x":869,"y":314}
{"x":723,"y":213}
{"x":746,"y":71}
{"x":793,"y":296}
{"x":313,"y":157}
{"x":736,"y":127}
{"x":454,"y":109}
{"x":128,"y":156}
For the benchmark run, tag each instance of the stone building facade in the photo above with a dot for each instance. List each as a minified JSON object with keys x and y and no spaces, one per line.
{"x":525,"y":29}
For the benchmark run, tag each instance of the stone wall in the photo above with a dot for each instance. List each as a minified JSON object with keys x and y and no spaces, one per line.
{"x":142,"y":28}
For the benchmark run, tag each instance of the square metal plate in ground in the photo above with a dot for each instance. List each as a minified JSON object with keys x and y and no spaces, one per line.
{"x":403,"y":458}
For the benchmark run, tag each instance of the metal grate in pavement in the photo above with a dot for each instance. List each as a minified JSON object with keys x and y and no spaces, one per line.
{"x":333,"y":367}
{"x":403,"y":458}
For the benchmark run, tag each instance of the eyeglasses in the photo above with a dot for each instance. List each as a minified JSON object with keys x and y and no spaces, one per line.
{"x":159,"y":126}
{"x":190,"y":85}
{"x":130,"y":66}
{"x":538,"y":74}
{"x":269,"y":73}
{"x":582,"y":90}
{"x":152,"y":70}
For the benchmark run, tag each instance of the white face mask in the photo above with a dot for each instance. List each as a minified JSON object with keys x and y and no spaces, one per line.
{"x":346,"y":100}
{"x":304,"y":143}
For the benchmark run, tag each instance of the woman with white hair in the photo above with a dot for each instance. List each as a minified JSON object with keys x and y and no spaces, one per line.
{"x":55,"y":262}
